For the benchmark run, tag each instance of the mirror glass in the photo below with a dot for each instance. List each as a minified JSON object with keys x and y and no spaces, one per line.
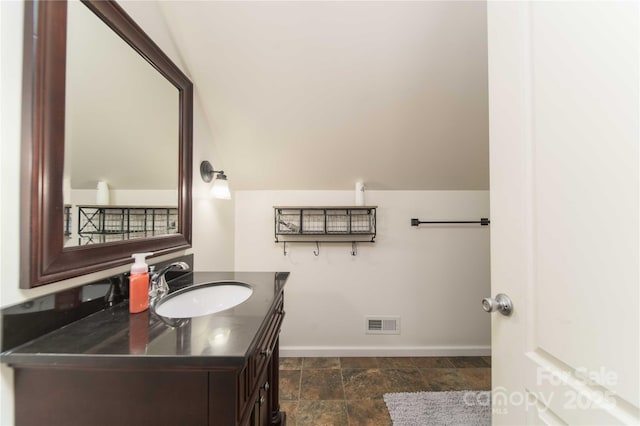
{"x":121,"y":138}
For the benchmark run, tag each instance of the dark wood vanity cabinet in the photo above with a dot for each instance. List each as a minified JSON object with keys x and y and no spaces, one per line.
{"x":256,"y":385}
{"x":181,"y":394}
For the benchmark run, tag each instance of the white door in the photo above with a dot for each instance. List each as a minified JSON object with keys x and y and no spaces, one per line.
{"x":564,"y":135}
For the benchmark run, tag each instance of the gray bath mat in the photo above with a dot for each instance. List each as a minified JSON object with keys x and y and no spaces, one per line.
{"x":439,"y":408}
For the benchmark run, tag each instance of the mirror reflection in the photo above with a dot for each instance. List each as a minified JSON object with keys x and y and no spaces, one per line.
{"x":121,"y":156}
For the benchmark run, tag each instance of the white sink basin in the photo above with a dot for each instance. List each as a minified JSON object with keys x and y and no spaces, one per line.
{"x":203,"y":299}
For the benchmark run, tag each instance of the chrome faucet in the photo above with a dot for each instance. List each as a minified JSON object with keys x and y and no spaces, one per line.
{"x":159,"y":286}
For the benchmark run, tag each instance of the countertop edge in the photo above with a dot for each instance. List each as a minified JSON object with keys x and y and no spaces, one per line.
{"x":97,"y":361}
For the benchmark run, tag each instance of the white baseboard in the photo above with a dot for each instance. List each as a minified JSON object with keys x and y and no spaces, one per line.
{"x":382,"y":351}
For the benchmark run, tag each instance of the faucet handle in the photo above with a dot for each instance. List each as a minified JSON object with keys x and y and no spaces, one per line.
{"x":158,"y":285}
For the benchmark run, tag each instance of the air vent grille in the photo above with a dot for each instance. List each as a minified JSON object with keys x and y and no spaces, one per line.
{"x":382,"y":325}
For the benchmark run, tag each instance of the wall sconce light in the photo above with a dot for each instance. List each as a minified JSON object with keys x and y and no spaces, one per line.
{"x":220,"y":187}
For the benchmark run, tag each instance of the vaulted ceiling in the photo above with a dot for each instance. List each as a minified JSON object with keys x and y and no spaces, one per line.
{"x":318,"y":95}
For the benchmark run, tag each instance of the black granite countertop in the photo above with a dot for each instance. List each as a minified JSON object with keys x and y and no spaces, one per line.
{"x":115,"y":338}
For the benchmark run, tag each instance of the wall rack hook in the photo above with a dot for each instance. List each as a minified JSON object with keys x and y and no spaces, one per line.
{"x":284,"y":248}
{"x":354,"y":248}
{"x":316,"y":252}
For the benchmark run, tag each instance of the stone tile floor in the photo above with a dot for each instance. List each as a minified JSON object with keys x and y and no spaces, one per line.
{"x":349,"y":391}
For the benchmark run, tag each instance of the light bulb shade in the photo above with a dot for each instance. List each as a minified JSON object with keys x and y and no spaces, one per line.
{"x":220,"y":188}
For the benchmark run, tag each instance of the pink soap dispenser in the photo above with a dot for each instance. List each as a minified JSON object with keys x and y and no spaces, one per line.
{"x":139,"y":284}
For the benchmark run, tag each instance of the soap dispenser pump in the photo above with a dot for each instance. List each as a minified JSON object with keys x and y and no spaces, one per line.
{"x":139,"y":284}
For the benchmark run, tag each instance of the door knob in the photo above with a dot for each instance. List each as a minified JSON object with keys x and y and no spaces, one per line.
{"x":501,"y":303}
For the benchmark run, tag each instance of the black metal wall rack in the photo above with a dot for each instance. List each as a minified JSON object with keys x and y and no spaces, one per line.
{"x":326,"y":224}
{"x":113,"y":223}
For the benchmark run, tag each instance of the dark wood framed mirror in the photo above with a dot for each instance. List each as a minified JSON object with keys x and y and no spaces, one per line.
{"x":44,"y":257}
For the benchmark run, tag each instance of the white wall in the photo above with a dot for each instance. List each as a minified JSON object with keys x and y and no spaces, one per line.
{"x":11,"y":25}
{"x":128,"y":138}
{"x":281,"y":79}
{"x":213,"y":231}
{"x":433,"y":277}
{"x":212,"y":219}
{"x":127,"y":197}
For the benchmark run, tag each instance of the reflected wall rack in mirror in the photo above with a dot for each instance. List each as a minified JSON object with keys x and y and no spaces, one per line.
{"x":44,"y":259}
{"x":100,"y":224}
